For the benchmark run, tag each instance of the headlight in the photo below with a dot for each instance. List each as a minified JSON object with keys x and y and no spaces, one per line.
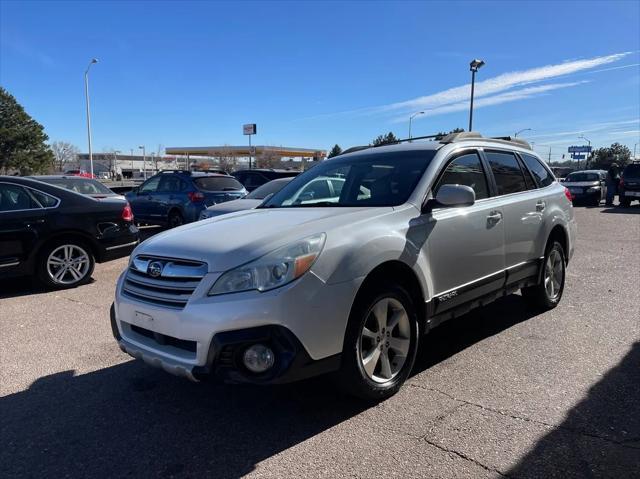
{"x":593,"y":189}
{"x":272,"y":270}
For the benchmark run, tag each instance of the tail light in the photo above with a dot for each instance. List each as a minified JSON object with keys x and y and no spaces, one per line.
{"x":127,"y":214}
{"x":195,"y":196}
{"x":568,"y":194}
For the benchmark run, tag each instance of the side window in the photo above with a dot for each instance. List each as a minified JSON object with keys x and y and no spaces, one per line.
{"x":507,"y":172}
{"x":337,"y":184}
{"x":315,"y":190}
{"x":170,"y":184}
{"x":540,"y":172}
{"x":14,"y":197}
{"x":151,"y":186}
{"x":44,"y":199}
{"x":466,"y":170}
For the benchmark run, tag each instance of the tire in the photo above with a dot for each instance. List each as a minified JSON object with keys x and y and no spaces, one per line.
{"x":379,"y":378}
{"x":547,"y":294}
{"x":72,"y":255}
{"x":175,"y":219}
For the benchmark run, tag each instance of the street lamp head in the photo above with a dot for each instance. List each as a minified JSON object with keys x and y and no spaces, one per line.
{"x":94,"y":60}
{"x":476,"y":64}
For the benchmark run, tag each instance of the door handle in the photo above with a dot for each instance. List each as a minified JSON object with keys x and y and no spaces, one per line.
{"x":540,"y":206}
{"x":494,"y":217}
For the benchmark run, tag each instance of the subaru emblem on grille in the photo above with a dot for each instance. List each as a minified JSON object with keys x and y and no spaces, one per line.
{"x":154,"y":269}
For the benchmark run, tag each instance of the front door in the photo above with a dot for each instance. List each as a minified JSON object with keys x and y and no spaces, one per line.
{"x":142,"y":202}
{"x":466,"y":244}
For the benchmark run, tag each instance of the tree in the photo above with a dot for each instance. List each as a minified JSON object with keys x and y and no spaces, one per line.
{"x":603,"y":157}
{"x":387,"y":139}
{"x":268,"y":159}
{"x":442,"y":134}
{"x":22,"y":139}
{"x":63,"y":153}
{"x":335,"y":151}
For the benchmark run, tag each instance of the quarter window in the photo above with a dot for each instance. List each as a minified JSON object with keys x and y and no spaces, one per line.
{"x":466,"y":170}
{"x":540,"y":172}
{"x":507,"y":172}
{"x":14,"y":197}
{"x":44,"y":199}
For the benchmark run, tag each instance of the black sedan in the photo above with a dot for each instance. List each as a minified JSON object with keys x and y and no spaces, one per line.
{"x":58,"y":235}
{"x":588,"y":186}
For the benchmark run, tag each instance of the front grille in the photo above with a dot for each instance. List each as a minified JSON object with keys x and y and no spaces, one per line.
{"x":163,"y":281}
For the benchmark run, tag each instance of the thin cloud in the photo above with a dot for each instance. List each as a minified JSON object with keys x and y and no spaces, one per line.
{"x":502,"y":83}
{"x":515,"y":95}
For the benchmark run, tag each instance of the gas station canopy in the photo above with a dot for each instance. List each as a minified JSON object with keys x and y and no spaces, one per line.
{"x":240,"y":151}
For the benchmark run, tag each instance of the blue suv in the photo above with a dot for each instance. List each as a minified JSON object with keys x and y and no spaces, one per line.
{"x":174,"y":197}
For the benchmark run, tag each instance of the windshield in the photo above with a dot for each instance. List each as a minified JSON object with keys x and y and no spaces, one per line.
{"x":268,"y":188}
{"x":580,"y":176}
{"x":218,"y":183}
{"x":376,"y":179}
{"x":84,"y":187}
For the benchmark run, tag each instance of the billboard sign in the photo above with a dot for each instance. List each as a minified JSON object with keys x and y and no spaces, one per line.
{"x":579,"y":149}
{"x":249,"y":129}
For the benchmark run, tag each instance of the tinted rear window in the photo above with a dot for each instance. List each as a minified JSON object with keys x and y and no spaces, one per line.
{"x":583,"y":177}
{"x":84,"y":187}
{"x":632,"y":170}
{"x":507,"y":172}
{"x":218,"y":183}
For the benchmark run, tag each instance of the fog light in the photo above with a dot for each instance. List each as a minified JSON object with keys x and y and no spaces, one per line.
{"x":258,"y":358}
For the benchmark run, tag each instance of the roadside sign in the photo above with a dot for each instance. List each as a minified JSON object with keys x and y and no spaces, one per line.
{"x":578,"y":156}
{"x":579,"y":149}
{"x":249,"y":129}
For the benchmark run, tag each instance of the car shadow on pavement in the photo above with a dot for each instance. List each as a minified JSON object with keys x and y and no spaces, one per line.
{"x":600,"y":436}
{"x":24,"y":286}
{"x":133,"y":420}
{"x":629,"y":210}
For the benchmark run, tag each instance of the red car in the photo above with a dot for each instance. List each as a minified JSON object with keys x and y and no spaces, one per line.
{"x":84,"y":174}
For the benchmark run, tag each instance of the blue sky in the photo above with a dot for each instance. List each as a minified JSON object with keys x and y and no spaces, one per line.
{"x":314,"y":74}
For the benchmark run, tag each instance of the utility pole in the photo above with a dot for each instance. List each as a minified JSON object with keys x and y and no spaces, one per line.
{"x":474,"y":66}
{"x":86,"y":95}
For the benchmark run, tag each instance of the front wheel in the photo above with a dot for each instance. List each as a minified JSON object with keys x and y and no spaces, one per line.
{"x":175,"y":219}
{"x":380,"y":343}
{"x":547,"y":294}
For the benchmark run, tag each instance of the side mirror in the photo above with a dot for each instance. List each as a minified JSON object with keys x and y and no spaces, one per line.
{"x":455,"y":195}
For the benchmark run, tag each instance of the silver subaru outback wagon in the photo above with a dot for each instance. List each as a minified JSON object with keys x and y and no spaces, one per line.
{"x":346,"y":279}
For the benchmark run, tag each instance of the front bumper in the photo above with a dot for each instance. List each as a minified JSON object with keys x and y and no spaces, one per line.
{"x":303,"y":322}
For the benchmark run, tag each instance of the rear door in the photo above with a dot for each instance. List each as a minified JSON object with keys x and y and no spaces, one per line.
{"x":466,"y":244}
{"x":22,"y":224}
{"x":523,"y":210}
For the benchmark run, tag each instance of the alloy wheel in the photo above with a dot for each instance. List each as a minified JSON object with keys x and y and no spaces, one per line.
{"x":385,"y":340}
{"x":68,"y":264}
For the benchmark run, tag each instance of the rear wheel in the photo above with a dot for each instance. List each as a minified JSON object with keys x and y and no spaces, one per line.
{"x":175,"y":219}
{"x":65,"y":264}
{"x":380,"y":343}
{"x":547,"y":294}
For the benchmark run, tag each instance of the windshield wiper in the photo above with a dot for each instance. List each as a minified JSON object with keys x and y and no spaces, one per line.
{"x":319,"y":203}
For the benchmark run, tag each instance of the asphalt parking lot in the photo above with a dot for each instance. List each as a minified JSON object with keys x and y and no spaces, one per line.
{"x":499,"y":392}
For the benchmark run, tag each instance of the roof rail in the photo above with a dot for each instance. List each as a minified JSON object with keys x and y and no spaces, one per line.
{"x":511,"y":139}
{"x":462,"y":135}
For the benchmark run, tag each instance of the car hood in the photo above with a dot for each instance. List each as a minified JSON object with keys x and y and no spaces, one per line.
{"x":581,"y":183}
{"x":225,"y":242}
{"x":233,"y":206}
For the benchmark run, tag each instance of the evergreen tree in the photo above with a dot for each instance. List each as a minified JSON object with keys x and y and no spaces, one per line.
{"x":335,"y":151}
{"x":387,"y":139}
{"x":22,"y":139}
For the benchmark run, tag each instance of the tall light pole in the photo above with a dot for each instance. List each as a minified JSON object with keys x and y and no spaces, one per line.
{"x":115,"y":162}
{"x":86,"y":95}
{"x":586,"y":161}
{"x":411,"y":118}
{"x":144,"y":161}
{"x":474,"y":66}
{"x":634,"y":150}
{"x":520,"y":131}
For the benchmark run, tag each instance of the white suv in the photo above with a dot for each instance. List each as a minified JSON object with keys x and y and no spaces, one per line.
{"x":413,"y":234}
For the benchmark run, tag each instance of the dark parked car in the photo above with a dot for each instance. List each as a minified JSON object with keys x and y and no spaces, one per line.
{"x":79,"y":184}
{"x":175,"y":197}
{"x":588,"y":186}
{"x":251,"y":179}
{"x":630,"y":184}
{"x":59,"y":235}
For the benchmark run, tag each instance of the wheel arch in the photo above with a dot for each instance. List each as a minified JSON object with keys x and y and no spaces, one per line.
{"x":559,"y":234}
{"x":397,"y":272}
{"x":67,"y":234}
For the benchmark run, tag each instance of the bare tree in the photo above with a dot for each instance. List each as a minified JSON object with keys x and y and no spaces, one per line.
{"x":63,"y":153}
{"x":268,"y":159}
{"x":226,"y":160}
